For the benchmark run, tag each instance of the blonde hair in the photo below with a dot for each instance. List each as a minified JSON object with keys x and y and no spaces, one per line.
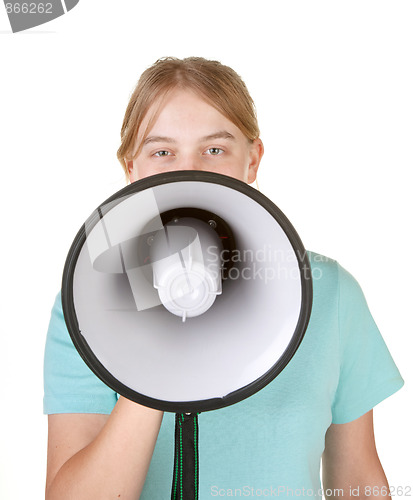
{"x":218,"y":84}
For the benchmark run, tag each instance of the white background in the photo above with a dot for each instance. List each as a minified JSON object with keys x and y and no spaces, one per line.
{"x":332,"y":82}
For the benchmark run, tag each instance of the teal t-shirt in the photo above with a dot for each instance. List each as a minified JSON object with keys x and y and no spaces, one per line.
{"x":271,"y":443}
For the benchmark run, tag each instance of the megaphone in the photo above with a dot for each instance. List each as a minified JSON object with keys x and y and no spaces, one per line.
{"x":187,"y":292}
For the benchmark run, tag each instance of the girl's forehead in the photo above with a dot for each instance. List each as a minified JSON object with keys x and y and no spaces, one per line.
{"x":173,"y":99}
{"x":181,"y":108}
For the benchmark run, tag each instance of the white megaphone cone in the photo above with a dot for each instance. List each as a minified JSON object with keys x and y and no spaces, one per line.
{"x":141,"y":284}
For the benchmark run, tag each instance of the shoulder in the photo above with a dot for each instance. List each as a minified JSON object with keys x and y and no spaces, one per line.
{"x":321,"y":263}
{"x":57,"y":334}
{"x":329,"y":271}
{"x":69,"y":385}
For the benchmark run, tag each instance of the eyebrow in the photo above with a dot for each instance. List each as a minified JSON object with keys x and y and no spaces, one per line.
{"x":157,"y":138}
{"x":222,"y":134}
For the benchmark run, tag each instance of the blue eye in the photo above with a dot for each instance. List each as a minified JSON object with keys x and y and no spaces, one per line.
{"x":215,"y":151}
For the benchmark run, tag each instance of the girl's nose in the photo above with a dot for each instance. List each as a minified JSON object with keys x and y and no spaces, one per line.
{"x":190,"y":163}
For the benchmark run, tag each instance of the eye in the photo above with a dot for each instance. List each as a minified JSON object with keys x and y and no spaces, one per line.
{"x":214,"y":151}
{"x":162,"y":153}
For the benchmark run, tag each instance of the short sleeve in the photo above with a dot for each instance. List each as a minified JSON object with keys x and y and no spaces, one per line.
{"x":69,"y":385}
{"x":368,"y":373}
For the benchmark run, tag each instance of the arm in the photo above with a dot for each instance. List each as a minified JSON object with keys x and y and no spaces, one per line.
{"x":101,"y":456}
{"x":350,"y":460}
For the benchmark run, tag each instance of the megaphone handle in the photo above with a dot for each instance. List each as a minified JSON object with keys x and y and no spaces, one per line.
{"x":186,"y":465}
